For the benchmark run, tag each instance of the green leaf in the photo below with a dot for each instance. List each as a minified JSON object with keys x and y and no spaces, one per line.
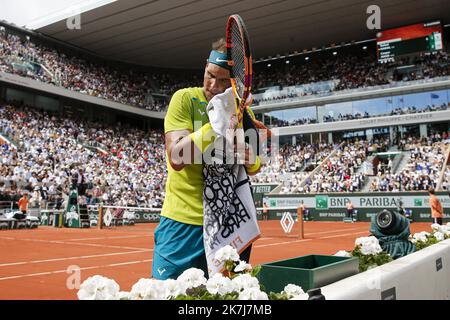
{"x":278,"y":296}
{"x":255,"y":271}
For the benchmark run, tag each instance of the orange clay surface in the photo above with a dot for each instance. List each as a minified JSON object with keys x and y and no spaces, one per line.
{"x":34,"y":263}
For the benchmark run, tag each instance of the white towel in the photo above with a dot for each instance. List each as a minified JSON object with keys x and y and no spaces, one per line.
{"x":228,"y":204}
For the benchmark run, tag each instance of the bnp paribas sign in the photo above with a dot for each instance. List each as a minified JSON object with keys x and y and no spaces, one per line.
{"x":321,"y":202}
{"x":324,"y":202}
{"x":372,"y":201}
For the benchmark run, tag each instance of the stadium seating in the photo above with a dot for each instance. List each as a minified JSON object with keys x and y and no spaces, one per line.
{"x":22,"y":55}
{"x":421,"y":172}
{"x":51,"y":158}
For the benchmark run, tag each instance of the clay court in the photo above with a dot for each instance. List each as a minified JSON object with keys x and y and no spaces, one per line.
{"x":34,"y":263}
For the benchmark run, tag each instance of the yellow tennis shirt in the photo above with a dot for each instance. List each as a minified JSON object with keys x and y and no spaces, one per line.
{"x":184,"y":188}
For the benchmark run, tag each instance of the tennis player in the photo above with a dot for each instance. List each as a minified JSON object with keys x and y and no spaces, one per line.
{"x":179,"y":235}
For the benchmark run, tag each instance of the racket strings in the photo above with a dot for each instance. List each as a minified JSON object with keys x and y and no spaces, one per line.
{"x":238,"y":57}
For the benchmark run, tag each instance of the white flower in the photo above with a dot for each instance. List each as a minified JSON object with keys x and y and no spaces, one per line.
{"x":439,"y":236}
{"x":98,"y":288}
{"x":123,"y":295}
{"x":371,"y":248}
{"x":244,"y":281}
{"x":192,"y":278}
{"x":253,"y":294}
{"x":436,"y":227}
{"x":368,"y":245}
{"x":445,"y":228}
{"x":292,"y":290}
{"x":242,"y":266}
{"x":218,"y":284}
{"x":362,"y":241}
{"x":342,"y":253}
{"x":420,"y":237}
{"x":149,"y":289}
{"x":174,"y":288}
{"x":226,"y":253}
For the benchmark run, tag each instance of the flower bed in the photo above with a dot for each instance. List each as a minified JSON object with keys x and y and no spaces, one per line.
{"x":239,"y":282}
{"x":370,"y":254}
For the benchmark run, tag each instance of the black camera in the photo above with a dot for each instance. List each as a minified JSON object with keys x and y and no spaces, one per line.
{"x":392,"y":231}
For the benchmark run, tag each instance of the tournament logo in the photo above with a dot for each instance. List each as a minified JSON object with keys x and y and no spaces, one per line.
{"x":321,"y":202}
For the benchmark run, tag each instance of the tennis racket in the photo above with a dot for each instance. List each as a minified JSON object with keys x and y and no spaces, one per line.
{"x":239,"y":58}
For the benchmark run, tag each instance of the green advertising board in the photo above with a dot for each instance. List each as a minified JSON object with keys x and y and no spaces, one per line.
{"x":261,"y":189}
{"x":332,"y":206}
{"x":321,"y":202}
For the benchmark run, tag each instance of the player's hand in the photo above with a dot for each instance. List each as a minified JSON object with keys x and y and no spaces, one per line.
{"x":248,"y":157}
{"x":249,"y":101}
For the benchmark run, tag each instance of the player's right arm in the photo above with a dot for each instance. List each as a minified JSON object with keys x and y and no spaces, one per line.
{"x":182,"y":143}
{"x":176,"y":142}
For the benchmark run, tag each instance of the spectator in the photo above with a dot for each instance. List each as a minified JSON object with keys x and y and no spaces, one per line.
{"x":350,"y":209}
{"x":437,"y":213}
{"x":23,"y":206}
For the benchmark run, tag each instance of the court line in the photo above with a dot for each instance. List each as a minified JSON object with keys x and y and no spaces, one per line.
{"x":80,"y":269}
{"x":333,"y":231}
{"x":304,"y":240}
{"x":74,"y":243}
{"x":336,"y":236}
{"x":106,"y":238}
{"x":149,"y":260}
{"x":322,"y":232}
{"x":74,"y":258}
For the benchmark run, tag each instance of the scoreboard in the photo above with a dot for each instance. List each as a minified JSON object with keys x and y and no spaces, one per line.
{"x":421,"y":37}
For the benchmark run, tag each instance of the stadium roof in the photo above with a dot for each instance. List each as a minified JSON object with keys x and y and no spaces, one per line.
{"x":178,"y":33}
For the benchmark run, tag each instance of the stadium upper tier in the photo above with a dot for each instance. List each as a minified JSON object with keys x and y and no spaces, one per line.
{"x":20,"y":54}
{"x":345,"y":74}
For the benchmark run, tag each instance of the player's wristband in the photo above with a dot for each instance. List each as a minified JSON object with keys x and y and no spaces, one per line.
{"x":255,"y":167}
{"x":203,"y":137}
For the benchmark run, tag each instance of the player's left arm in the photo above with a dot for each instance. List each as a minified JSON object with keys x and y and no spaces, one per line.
{"x":252,"y":162}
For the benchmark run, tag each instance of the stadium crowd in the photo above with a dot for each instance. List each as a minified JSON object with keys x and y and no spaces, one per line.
{"x":351,"y":72}
{"x":426,"y":158}
{"x":289,"y":166}
{"x":127,"y":167}
{"x":339,"y":172}
{"x":20,"y":55}
{"x":276,"y":122}
{"x":354,"y":71}
{"x":446,"y":179}
{"x":119,"y":165}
